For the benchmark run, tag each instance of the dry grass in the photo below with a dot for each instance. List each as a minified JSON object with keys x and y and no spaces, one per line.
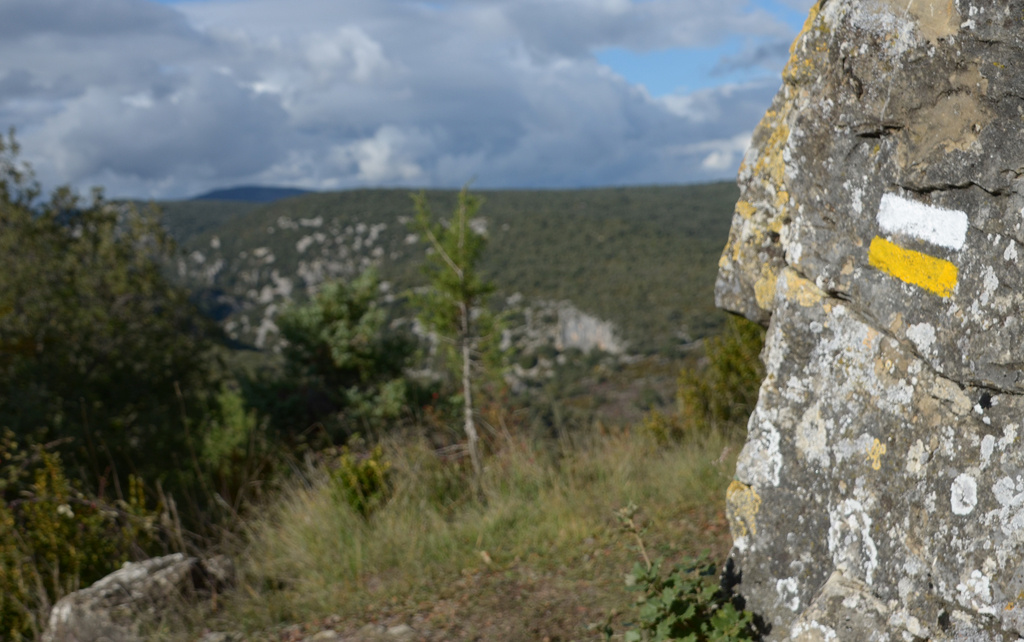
{"x":544,"y":551}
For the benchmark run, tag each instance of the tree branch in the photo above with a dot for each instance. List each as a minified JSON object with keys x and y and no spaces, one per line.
{"x":440,"y":250}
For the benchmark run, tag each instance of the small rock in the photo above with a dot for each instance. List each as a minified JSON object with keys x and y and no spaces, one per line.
{"x":402,"y":632}
{"x":371,"y":632}
{"x":327,"y":635}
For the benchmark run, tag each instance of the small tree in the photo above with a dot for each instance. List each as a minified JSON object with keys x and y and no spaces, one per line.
{"x":452,"y":307}
{"x":340,"y":350}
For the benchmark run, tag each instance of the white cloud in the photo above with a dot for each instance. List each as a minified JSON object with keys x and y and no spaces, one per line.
{"x":152,"y":100}
{"x":347,"y":49}
{"x":576,"y":27}
{"x":386,"y":157}
{"x":717,"y":155}
{"x":726,"y":153}
{"x":707,"y":105}
{"x":202,"y":128}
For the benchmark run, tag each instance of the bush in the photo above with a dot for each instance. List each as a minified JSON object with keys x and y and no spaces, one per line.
{"x":99,"y":353}
{"x":345,"y":365}
{"x":363,"y":483}
{"x":721,"y":392}
{"x":55,"y":539}
{"x":236,"y":453}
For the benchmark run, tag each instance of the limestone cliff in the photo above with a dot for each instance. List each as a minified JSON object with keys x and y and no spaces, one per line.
{"x":880,"y":494}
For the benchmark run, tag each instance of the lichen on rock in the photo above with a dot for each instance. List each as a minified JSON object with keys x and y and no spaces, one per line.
{"x":876,"y":236}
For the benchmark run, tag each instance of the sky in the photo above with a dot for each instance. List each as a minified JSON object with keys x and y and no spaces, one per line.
{"x":173,"y":98}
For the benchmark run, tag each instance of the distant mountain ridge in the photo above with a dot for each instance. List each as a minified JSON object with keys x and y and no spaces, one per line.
{"x":251,"y":194}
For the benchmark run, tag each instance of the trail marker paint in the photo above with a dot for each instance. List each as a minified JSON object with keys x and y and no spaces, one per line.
{"x":935,"y":225}
{"x":927,"y":272}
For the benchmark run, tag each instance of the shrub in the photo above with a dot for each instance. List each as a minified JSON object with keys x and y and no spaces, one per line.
{"x":725,"y":392}
{"x":98,"y":350}
{"x":721,"y":392}
{"x":686,"y":604}
{"x":362,"y":483}
{"x":236,"y":453}
{"x":55,"y":539}
{"x":345,"y":364}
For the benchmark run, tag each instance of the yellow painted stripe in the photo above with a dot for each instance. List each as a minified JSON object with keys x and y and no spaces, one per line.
{"x":932,"y":274}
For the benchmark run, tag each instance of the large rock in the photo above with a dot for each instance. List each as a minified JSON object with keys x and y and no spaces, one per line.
{"x":878,"y":235}
{"x":112,"y":609}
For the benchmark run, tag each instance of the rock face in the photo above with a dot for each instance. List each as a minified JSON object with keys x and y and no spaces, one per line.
{"x":880,"y":494}
{"x":111,"y":609}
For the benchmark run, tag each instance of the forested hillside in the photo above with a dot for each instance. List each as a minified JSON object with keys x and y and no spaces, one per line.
{"x":643,"y":258}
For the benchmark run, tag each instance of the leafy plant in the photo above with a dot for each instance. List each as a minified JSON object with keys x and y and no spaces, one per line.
{"x":236,"y":453}
{"x":686,"y":603}
{"x":363,"y":483}
{"x":55,"y":539}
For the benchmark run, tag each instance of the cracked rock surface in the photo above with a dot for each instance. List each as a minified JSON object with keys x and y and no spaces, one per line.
{"x":880,"y":494}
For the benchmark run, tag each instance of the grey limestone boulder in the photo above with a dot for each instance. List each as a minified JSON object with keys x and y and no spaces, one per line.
{"x":880,"y":494}
{"x":112,"y":608}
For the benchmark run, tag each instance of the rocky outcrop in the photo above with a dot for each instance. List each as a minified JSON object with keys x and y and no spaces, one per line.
{"x":579,"y":330}
{"x":880,"y":494}
{"x":559,"y":325}
{"x":113,"y":608}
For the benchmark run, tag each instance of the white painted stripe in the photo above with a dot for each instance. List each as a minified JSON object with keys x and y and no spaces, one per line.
{"x":936,"y":225}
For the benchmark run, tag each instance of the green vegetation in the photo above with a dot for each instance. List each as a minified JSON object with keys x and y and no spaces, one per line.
{"x":644,"y":258}
{"x":543,"y":556}
{"x":331,"y":476}
{"x":103,"y":368}
{"x":237,"y":455}
{"x":454,"y":308}
{"x":344,"y":365}
{"x":688,"y":603}
{"x":97,"y":351}
{"x":363,"y":484}
{"x":725,"y":391}
{"x":721,"y":392}
{"x":191,"y":218}
{"x":429,"y":551}
{"x":55,"y":538}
